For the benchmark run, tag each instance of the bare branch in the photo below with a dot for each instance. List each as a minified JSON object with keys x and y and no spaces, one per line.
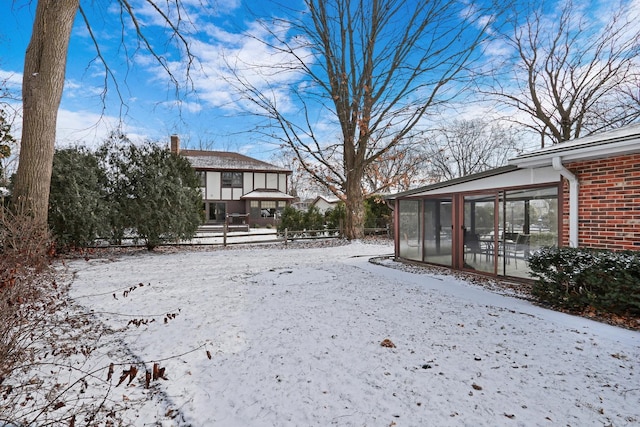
{"x":365,"y":73}
{"x":568,"y":77}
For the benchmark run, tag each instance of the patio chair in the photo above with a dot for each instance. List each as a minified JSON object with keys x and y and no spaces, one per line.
{"x":520,"y":248}
{"x":472,"y":245}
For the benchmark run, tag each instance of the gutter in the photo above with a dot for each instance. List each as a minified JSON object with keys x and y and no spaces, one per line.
{"x":556,"y":162}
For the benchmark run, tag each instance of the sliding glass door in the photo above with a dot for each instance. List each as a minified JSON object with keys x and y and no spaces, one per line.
{"x":438,"y":238}
{"x":479,"y":232}
{"x":529,"y":221}
{"x":410,"y":238}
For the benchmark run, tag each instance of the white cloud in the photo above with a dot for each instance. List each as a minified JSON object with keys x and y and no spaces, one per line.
{"x":271,"y":71}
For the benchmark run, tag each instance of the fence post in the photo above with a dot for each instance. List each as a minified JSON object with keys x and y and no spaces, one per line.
{"x":224,"y":234}
{"x":286,"y":236}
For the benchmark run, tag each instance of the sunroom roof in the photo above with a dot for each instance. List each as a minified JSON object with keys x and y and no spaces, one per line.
{"x":461,"y":180}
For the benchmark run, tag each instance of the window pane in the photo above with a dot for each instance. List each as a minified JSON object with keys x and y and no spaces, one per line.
{"x":232,"y":179}
{"x":202,"y":178}
{"x":237,"y":179}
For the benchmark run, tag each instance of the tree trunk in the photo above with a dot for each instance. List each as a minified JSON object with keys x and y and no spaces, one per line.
{"x":354,"y":221}
{"x":42,"y":84}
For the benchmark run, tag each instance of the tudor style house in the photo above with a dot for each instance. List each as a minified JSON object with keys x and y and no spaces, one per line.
{"x":579,"y":193}
{"x":238,"y":187}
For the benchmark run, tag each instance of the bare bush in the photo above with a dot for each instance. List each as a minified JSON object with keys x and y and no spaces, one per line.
{"x":24,"y":273}
{"x":40,"y":334}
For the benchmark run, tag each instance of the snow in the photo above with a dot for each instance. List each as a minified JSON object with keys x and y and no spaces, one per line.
{"x":294,"y":335}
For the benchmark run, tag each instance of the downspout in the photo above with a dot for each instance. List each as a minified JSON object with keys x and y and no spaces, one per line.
{"x":556,"y":162}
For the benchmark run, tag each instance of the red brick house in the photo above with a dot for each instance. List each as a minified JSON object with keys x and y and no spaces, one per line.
{"x":582,"y":193}
{"x":237,"y":188}
{"x":607,"y":169}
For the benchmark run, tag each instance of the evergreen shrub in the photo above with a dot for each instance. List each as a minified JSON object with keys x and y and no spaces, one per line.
{"x":123,"y":190}
{"x":335,"y":217}
{"x":291,"y":219}
{"x":78,"y":212}
{"x":578,"y":278}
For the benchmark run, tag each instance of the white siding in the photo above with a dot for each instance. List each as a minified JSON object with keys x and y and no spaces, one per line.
{"x":226,"y":194}
{"x":519,"y":177}
{"x":247,"y":183}
{"x":237,"y":193}
{"x":213,"y":185}
{"x":259,"y":180}
{"x":272,"y":181}
{"x":282,"y":182}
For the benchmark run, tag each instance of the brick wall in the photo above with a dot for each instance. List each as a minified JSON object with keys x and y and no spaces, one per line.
{"x":609,"y":203}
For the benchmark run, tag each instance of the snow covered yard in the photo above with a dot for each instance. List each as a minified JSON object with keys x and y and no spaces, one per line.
{"x":292,"y":337}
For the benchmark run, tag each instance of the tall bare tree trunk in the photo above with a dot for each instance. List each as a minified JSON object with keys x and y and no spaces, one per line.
{"x":42,"y":84}
{"x":354,"y":204}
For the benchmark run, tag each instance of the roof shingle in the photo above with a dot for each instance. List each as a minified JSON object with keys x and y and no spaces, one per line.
{"x":226,"y":160}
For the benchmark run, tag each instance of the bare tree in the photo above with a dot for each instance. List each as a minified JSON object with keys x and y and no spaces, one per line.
{"x":399,"y":169}
{"x":43,"y":82}
{"x":370,"y":70}
{"x":301,"y":184}
{"x":570,"y":74}
{"x":465,"y":147}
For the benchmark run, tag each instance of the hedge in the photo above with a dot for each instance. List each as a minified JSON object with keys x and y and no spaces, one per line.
{"x":578,"y":278}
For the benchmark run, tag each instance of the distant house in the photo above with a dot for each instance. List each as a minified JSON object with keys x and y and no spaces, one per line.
{"x":582,"y":193}
{"x":325,"y":203}
{"x":302,"y":205}
{"x":237,"y":186}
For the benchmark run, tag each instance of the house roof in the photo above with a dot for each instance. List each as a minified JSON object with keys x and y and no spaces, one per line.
{"x":267,"y":194}
{"x":331,"y":200}
{"x":226,"y":160}
{"x":624,"y":140}
{"x":461,"y":180}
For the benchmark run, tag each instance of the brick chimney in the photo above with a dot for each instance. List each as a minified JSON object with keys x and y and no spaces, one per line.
{"x":175,"y":144}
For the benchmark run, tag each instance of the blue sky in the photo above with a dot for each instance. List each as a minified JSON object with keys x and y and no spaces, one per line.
{"x":205,"y":116}
{"x":150,"y":106}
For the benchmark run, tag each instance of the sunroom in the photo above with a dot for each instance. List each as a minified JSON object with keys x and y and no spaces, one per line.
{"x":488,"y":222}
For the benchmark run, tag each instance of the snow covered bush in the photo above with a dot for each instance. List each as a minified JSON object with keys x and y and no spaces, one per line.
{"x":578,"y":278}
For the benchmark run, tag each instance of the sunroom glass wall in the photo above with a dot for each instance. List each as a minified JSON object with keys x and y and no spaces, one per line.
{"x":529,"y":221}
